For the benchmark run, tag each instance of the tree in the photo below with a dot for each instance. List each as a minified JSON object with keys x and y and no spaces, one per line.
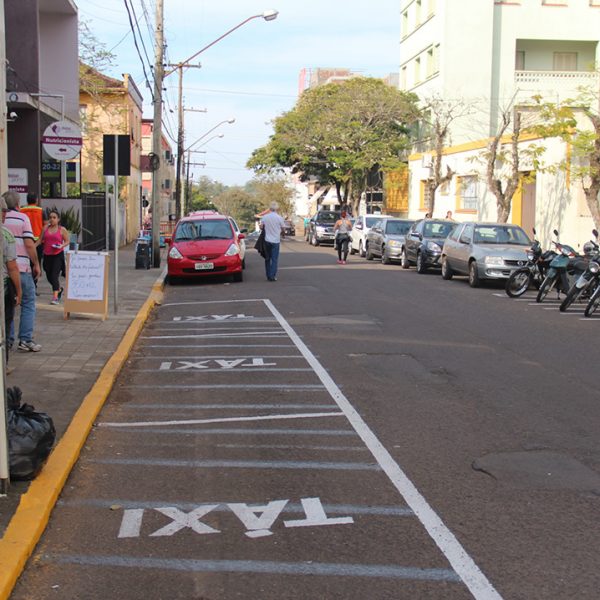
{"x":203,"y":193}
{"x":437,"y":118}
{"x":237,"y":203}
{"x":272,"y":187}
{"x":577,"y":122}
{"x":338,"y":132}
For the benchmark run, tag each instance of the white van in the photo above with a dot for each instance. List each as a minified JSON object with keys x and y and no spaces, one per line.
{"x":361,"y":227}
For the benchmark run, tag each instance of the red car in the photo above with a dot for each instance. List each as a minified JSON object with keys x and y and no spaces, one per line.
{"x":204,"y":243}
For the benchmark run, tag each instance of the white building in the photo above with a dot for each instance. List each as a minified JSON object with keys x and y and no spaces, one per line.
{"x":488,"y":55}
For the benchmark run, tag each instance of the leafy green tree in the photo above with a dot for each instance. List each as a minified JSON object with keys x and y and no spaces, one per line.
{"x":237,"y":203}
{"x":272,"y":187}
{"x":338,"y":132}
{"x":202,"y":193}
{"x":577,"y":122}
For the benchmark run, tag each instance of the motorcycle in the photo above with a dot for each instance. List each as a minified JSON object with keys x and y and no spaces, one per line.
{"x":533,"y":272}
{"x":563,"y":267}
{"x":594,"y":301}
{"x":587,"y":282}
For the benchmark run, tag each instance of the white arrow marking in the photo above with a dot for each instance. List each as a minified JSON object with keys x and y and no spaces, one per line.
{"x":258,"y":526}
{"x":315,"y":516}
{"x":181,"y":520}
{"x":165,"y":366}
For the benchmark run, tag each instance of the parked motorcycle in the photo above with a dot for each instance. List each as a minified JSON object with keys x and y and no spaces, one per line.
{"x":587,"y":282}
{"x":594,"y":301}
{"x":532,"y":273}
{"x":562,"y":269}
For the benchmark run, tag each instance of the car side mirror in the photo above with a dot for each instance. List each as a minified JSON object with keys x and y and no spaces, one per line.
{"x":241,"y":236}
{"x":465,"y":239}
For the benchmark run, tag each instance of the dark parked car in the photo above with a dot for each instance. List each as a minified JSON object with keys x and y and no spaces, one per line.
{"x":386,"y":238}
{"x":320,"y":227}
{"x":424,"y":242}
{"x":289,"y":228}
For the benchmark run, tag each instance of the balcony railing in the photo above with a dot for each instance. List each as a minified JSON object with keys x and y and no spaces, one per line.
{"x":555,"y":85}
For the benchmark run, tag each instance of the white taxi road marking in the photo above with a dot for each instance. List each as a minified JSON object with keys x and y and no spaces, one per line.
{"x":461,"y":562}
{"x":257,"y":525}
{"x":223,"y":420}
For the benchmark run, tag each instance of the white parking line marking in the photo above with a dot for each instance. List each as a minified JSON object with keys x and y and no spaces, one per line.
{"x":223,"y":420}
{"x":463,"y":564}
{"x":261,"y":334}
{"x":214,"y":302}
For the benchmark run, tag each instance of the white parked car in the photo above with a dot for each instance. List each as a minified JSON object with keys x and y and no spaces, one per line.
{"x":361,"y":227}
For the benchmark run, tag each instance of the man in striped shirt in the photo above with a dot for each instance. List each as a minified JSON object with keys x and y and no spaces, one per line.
{"x":29,"y":269}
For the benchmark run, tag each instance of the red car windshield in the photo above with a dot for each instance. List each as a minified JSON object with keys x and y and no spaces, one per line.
{"x":204,"y":229}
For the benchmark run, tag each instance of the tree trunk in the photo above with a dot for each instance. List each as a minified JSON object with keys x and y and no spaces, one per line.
{"x":591,"y":196}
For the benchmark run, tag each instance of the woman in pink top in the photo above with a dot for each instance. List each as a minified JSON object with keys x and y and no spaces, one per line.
{"x":54,"y":239}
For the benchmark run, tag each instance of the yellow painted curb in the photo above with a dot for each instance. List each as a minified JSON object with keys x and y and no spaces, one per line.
{"x":32,"y":514}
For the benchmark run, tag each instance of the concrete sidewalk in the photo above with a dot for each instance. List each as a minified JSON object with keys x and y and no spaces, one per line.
{"x":74,"y":351}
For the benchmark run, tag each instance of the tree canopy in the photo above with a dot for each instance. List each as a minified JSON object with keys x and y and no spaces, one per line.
{"x":577,"y":122}
{"x":337,"y":133}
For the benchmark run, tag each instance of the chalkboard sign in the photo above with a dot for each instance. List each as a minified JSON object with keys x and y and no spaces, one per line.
{"x":87,"y":283}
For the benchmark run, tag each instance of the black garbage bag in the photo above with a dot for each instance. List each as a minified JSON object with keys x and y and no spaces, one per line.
{"x":31,"y":436}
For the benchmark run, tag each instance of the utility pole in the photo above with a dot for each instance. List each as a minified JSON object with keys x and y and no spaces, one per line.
{"x":180,"y":116}
{"x":157,"y":131}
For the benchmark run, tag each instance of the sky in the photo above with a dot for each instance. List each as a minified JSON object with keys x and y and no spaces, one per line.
{"x":252,"y":74}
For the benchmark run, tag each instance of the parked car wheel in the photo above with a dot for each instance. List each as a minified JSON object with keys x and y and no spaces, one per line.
{"x":421,"y":266}
{"x":385,"y":259}
{"x":244,"y":264}
{"x":473,"y":274}
{"x":238,"y":277}
{"x":173,"y":280}
{"x":447,"y":272}
{"x":404,"y":259}
{"x":369,"y":254}
{"x":361,"y":250}
{"x":313,"y":240}
{"x":352,"y":250}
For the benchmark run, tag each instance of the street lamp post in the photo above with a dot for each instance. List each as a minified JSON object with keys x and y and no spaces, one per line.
{"x":267,"y":15}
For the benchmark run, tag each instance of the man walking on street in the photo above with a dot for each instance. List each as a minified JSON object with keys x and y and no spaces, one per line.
{"x":29,"y":268}
{"x":273,"y":225}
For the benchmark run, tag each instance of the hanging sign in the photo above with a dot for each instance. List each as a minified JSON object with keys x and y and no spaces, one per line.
{"x":62,"y":140}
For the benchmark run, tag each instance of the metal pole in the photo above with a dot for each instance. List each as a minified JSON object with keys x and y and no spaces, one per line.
{"x":116,"y":205}
{"x":187,"y":184}
{"x":4,"y":472}
{"x":107,"y":213}
{"x":178,"y":195}
{"x":157,"y":132}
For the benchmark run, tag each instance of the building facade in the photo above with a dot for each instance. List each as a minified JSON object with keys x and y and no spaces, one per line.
{"x":166,"y":172}
{"x":112,"y":106}
{"x":42,"y":81}
{"x":490,"y":57}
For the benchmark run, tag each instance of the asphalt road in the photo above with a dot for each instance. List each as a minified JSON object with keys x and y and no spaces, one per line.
{"x":347,"y":432}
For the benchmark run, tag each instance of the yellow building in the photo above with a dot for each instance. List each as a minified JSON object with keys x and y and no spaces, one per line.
{"x":111,"y":106}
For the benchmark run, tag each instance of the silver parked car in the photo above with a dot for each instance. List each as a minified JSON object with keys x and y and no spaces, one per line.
{"x":386,"y":238}
{"x":484,"y":251}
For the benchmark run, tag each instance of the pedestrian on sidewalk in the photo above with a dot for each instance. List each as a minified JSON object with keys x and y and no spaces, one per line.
{"x":29,"y":269}
{"x":54,"y":240}
{"x":11,"y":277}
{"x":37,"y":218}
{"x":342,"y":229}
{"x":273,"y":225}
